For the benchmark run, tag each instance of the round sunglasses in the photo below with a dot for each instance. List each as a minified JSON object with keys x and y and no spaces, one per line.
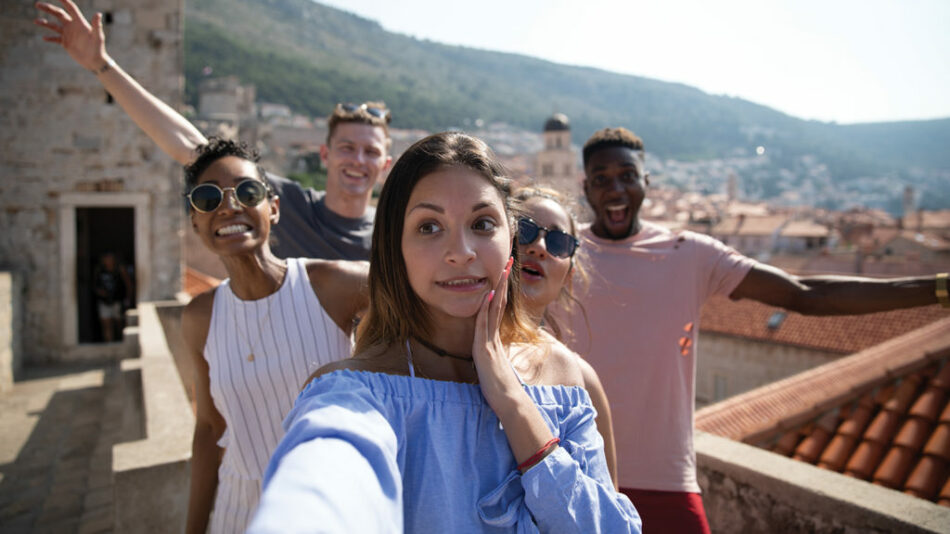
{"x":379,"y":113}
{"x":206,"y":197}
{"x":557,"y":243}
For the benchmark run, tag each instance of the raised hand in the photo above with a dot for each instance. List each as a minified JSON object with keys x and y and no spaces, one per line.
{"x":84,"y":42}
{"x":489,"y":353}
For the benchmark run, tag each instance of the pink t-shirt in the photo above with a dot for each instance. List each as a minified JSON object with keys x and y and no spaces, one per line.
{"x":643,"y":304}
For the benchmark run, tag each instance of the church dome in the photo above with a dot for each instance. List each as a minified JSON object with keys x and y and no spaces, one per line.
{"x":557,"y":123}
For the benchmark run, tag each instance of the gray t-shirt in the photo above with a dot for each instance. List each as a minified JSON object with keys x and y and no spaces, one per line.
{"x":308,"y":229}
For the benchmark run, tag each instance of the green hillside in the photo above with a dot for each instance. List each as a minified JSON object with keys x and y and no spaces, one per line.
{"x":310,"y":56}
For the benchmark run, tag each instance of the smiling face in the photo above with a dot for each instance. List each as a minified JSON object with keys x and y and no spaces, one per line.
{"x":456,"y":241}
{"x":232,"y":228}
{"x":543,"y":275}
{"x":355,"y":157}
{"x":615,"y":185}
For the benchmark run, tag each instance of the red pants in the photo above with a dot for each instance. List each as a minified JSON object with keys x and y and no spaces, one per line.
{"x":669,"y":511}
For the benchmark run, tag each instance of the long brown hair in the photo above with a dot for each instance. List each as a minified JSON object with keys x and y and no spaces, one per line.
{"x":395,"y":312}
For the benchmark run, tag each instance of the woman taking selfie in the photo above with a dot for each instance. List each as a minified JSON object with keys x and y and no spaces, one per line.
{"x":454,"y":415}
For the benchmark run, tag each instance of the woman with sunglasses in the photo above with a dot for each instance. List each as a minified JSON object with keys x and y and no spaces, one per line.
{"x":453,"y":415}
{"x":255,"y":338}
{"x":548,"y":247}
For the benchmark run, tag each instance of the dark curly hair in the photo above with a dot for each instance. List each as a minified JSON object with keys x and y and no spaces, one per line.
{"x":611,"y":137}
{"x":217,"y":148}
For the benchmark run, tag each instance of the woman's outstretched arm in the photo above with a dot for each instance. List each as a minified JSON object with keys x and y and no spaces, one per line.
{"x":85,"y":43}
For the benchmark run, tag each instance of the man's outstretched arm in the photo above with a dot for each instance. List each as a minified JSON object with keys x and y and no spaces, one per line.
{"x":834,"y":295}
{"x":85,"y":43}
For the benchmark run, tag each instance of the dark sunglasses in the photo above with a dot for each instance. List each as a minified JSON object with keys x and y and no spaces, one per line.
{"x":558,"y":243}
{"x":206,"y":197}
{"x":379,"y":113}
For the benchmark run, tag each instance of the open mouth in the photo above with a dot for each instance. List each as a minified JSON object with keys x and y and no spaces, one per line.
{"x":618,"y":213}
{"x":532,"y":271}
{"x":232,"y":229}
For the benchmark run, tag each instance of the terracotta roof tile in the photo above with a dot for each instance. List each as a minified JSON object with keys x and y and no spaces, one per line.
{"x":927,"y":477}
{"x":787,"y":443}
{"x":881,"y":415}
{"x":837,"y":453}
{"x":930,"y":403}
{"x":944,"y":498}
{"x":864,"y":460}
{"x":942,"y":380}
{"x":844,"y":334}
{"x":895,"y":467}
{"x":858,"y":420}
{"x":883,"y":427}
{"x":914,"y":433}
{"x":939,"y":443}
{"x":809,"y":450}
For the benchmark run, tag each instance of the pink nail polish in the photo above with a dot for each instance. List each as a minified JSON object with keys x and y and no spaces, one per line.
{"x":491,"y":295}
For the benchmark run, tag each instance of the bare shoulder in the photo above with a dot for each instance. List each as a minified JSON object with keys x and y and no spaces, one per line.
{"x":587,"y":371}
{"x":328,"y":272}
{"x":196,"y":319}
{"x":373,"y":360}
{"x":552,"y":363}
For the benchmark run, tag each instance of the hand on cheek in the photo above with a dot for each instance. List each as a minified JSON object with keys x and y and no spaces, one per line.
{"x":490,"y":355}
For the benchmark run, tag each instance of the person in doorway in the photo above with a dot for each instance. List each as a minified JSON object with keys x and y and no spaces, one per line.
{"x":112,"y":288}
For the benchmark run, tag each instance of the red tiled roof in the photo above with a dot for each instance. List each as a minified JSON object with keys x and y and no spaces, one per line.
{"x":751,"y":226}
{"x":842,"y":334}
{"x":935,"y":220}
{"x":805,"y":229}
{"x":882,"y":415}
{"x":197,"y":282}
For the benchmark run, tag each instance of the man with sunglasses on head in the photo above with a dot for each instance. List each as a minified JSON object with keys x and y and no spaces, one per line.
{"x":643,"y":307}
{"x":333,"y":224}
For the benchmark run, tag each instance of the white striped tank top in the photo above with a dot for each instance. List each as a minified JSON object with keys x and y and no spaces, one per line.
{"x":259,"y":355}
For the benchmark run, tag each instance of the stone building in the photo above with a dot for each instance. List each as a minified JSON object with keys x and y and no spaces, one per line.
{"x":557,"y":162}
{"x":227,"y":108}
{"x":78,"y":177}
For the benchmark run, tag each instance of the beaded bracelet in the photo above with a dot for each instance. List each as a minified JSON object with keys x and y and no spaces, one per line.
{"x":538,"y":456}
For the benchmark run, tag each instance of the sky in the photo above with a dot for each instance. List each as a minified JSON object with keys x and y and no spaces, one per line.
{"x":831,"y":60}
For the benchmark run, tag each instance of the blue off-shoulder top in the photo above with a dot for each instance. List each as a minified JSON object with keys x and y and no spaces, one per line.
{"x":373,"y":452}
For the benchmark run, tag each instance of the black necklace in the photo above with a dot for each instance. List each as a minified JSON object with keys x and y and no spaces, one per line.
{"x":445,"y":353}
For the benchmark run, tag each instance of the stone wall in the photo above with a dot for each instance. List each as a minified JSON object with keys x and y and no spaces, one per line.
{"x":11,"y":314}
{"x":750,"y":490}
{"x":744,"y":364}
{"x":60,"y":135}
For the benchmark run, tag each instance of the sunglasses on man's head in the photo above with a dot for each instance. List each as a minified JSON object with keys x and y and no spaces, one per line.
{"x":206,"y":197}
{"x":378,"y":112}
{"x":557,"y":243}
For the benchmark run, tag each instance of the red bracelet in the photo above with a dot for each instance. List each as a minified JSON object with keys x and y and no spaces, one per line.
{"x":536,"y":457}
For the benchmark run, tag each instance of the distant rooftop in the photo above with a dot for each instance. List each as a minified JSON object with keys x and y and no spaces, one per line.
{"x":842,"y":334}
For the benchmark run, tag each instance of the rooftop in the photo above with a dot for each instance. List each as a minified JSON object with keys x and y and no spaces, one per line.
{"x":881,"y":415}
{"x":842,"y":334}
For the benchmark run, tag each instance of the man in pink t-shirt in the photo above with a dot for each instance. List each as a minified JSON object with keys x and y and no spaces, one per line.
{"x":646,"y":290}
